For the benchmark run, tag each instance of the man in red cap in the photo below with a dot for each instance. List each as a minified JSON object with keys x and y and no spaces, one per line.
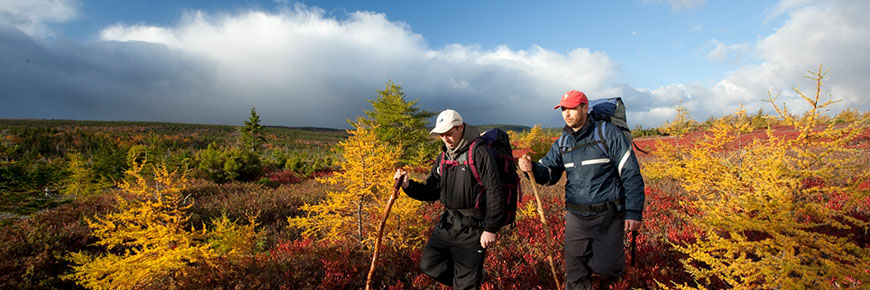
{"x":604,"y":192}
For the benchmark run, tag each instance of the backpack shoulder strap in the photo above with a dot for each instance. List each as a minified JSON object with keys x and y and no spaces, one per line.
{"x":441,"y":163}
{"x":601,"y":137}
{"x":470,"y":160}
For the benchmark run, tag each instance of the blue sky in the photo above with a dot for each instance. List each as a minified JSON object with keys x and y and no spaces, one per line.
{"x":315,"y":63}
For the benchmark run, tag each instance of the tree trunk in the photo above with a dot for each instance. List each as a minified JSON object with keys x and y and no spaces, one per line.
{"x":359,"y":221}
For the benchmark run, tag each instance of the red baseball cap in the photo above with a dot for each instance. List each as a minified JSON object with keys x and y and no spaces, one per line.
{"x":572,"y":99}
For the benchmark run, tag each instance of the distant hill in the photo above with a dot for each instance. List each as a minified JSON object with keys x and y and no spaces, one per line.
{"x":504,"y":127}
{"x":206,"y":132}
{"x":90,"y":123}
{"x":315,"y":129}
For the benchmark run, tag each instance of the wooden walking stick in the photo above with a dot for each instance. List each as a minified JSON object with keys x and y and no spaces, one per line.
{"x":546,"y":230}
{"x":381,"y":231}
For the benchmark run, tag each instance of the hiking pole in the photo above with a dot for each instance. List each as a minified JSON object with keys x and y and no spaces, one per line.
{"x":381,"y":231}
{"x":546,"y":230}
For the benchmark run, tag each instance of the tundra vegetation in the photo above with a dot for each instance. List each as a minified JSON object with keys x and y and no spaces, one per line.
{"x":736,"y":202}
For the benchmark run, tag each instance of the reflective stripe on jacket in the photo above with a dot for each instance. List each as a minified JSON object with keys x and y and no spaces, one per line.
{"x":593,"y":176}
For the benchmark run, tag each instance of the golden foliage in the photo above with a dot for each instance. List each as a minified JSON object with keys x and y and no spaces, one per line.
{"x":148,"y":246}
{"x":234,"y":241}
{"x":778,"y":212}
{"x":848,"y":115}
{"x":537,"y":141}
{"x":80,"y":180}
{"x":355,"y":213}
{"x":681,"y":125}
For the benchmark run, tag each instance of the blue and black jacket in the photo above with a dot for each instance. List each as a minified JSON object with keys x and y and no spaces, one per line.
{"x":596,"y":179}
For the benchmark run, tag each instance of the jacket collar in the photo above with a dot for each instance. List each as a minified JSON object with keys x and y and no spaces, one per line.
{"x":586,"y":129}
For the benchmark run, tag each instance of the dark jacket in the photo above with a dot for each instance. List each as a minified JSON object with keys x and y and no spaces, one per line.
{"x":593,"y":176}
{"x":457,"y":188}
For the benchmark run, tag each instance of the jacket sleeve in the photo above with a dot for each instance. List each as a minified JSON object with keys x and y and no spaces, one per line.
{"x":495,"y":201}
{"x":549,"y":169}
{"x":431,"y":189}
{"x":621,"y":153}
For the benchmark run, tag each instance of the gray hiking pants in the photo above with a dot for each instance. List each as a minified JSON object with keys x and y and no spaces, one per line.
{"x":588,"y":251}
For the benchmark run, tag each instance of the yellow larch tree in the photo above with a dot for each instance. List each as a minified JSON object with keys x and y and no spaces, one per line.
{"x":354,"y":213}
{"x":537,"y":141}
{"x":81,"y":175}
{"x":681,"y":124}
{"x":147,"y":240}
{"x":237,"y":242}
{"x":778,"y":212}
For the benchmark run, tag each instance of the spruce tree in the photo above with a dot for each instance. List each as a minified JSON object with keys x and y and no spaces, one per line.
{"x":252,"y":132}
{"x":397,"y":121}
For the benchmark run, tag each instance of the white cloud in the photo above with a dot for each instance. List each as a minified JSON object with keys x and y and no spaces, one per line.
{"x":144,"y":33}
{"x":299,"y":67}
{"x":30,"y":16}
{"x":834,"y":34}
{"x":784,"y":6}
{"x":302,"y":68}
{"x":727,"y":53}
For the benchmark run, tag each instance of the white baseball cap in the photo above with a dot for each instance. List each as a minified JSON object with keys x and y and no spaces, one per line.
{"x":446,"y":120}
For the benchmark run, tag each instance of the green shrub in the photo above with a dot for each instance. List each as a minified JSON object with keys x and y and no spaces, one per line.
{"x":224,"y":165}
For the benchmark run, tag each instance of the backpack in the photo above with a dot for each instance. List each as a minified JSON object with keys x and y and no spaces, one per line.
{"x":608,"y":110}
{"x":498,"y":144}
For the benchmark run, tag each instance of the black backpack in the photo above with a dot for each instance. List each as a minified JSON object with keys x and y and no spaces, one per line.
{"x":498,"y":144}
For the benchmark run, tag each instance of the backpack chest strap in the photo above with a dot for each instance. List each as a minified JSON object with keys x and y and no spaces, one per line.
{"x":599,"y":139}
{"x":468,"y":161}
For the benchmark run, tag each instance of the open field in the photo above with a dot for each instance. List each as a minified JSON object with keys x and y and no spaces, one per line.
{"x":41,"y":231}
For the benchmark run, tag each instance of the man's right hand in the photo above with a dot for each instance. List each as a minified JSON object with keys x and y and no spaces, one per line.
{"x":403,"y":175}
{"x":525,"y":163}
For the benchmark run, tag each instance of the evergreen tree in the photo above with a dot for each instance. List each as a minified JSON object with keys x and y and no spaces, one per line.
{"x":227,"y":164}
{"x":252,"y":132}
{"x":6,"y":149}
{"x":399,"y":122}
{"x":759,"y":121}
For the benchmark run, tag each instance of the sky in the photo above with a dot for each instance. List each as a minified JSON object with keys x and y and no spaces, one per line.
{"x":316,"y":63}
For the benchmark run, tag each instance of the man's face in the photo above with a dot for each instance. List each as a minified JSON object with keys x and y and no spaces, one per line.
{"x":452,"y":136}
{"x":575,"y":117}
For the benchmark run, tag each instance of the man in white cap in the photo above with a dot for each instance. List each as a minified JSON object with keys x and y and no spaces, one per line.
{"x":474,"y":211}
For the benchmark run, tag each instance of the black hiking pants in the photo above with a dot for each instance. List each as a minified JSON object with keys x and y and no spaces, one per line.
{"x":588,"y":250}
{"x":453,"y":255}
